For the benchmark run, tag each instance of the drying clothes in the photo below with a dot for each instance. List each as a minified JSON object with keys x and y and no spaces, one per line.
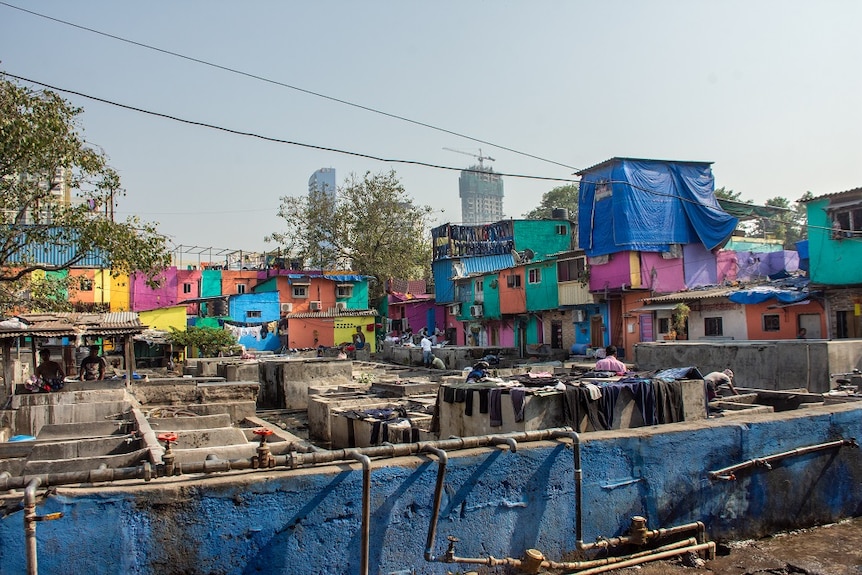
{"x":483,"y":400}
{"x":594,"y":390}
{"x":641,"y":390}
{"x":577,"y":404}
{"x":668,"y":401}
{"x":449,"y":394}
{"x":495,"y":407}
{"x":517,"y":394}
{"x":468,"y":404}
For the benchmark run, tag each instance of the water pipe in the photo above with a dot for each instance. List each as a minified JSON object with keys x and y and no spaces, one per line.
{"x":510,"y":441}
{"x":729,"y":473}
{"x":709,"y":547}
{"x":30,"y":519}
{"x":576,"y":454}
{"x":366,"y":509}
{"x":534,"y":561}
{"x":442,"y":461}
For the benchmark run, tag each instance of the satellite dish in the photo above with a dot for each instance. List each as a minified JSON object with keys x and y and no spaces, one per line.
{"x":527,"y":255}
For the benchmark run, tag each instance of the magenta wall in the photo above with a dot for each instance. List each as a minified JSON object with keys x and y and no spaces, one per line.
{"x":612,"y":275}
{"x":668,"y":276}
{"x":144,"y":298}
{"x":727,"y":266}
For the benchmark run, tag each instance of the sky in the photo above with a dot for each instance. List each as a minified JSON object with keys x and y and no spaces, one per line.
{"x":769,"y":91}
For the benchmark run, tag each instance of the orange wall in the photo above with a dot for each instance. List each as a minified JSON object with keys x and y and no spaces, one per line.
{"x":311,"y":332}
{"x":788,"y":316}
{"x":77,"y":295}
{"x":230,"y":279}
{"x":630,"y":301}
{"x":512,"y":300}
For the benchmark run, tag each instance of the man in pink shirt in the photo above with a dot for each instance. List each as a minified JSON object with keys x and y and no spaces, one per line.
{"x":610,"y":361}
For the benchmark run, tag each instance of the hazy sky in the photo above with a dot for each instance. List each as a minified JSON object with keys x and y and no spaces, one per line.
{"x":770,"y":91}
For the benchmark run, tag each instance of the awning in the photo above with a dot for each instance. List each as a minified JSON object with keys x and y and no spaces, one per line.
{"x":655,"y":307}
{"x":781,"y":305}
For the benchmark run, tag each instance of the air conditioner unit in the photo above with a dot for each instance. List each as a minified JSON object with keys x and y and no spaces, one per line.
{"x":340,"y":305}
{"x":287,"y":307}
{"x":314,"y":306}
{"x":454,"y":309}
{"x":476,"y":310}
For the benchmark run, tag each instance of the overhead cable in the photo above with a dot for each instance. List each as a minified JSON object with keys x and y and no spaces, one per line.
{"x":279,"y":140}
{"x":285,"y":85}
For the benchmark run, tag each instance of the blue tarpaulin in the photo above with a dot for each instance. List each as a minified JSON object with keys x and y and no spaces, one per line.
{"x":764,"y":293}
{"x":647,"y":205}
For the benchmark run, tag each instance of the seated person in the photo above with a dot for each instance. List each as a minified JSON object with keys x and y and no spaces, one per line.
{"x":359,"y":338}
{"x":479,"y":372}
{"x":610,"y":361}
{"x":50,"y":371}
{"x":718,"y":383}
{"x":438,"y":363}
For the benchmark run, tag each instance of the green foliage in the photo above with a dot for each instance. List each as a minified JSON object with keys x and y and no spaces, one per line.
{"x":208,"y":341}
{"x":372,"y":228}
{"x":680,"y":314}
{"x":724,"y":194}
{"x":43,"y":154}
{"x":560,"y":197}
{"x":788,"y":226}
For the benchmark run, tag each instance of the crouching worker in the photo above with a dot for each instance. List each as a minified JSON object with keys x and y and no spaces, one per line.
{"x":718,"y":384}
{"x":479,"y":372}
{"x":438,"y":363}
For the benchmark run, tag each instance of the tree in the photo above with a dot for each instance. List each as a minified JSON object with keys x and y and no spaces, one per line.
{"x":789,"y":225}
{"x":560,"y":197}
{"x":371,"y":227}
{"x":42,"y":155}
{"x":723,"y":194}
{"x":209,"y":341}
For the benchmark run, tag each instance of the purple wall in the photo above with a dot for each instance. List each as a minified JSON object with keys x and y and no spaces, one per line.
{"x":727,"y":266}
{"x":144,"y":298}
{"x":700,"y":266}
{"x":668,"y":275}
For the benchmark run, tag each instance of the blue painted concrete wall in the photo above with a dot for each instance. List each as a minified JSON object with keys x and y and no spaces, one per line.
{"x":499,"y":503}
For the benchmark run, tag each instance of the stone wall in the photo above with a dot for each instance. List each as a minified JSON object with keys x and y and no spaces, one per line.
{"x":308,"y":521}
{"x":771,"y":365}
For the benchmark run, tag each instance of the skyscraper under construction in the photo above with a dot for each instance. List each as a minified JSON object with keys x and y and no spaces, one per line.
{"x":481,"y":192}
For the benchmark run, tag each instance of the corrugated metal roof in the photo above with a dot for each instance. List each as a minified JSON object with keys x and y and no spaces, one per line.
{"x":838,"y":195}
{"x":71,"y":324}
{"x":692,"y":295}
{"x":484,"y":264}
{"x":333,"y":313}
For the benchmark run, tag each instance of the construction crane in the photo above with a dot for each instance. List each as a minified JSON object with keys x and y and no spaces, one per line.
{"x":480,"y":157}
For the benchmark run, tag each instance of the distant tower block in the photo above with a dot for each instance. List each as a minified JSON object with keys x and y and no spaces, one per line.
{"x":481,"y":192}
{"x":323,"y":180}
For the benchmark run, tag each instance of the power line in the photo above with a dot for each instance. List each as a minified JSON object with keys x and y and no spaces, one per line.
{"x":279,"y":140}
{"x":285,"y":85}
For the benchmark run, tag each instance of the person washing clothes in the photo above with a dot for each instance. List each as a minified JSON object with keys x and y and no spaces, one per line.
{"x":427,"y":356}
{"x":718,"y":383}
{"x":610,"y":361}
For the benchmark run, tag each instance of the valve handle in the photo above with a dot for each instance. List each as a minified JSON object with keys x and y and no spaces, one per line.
{"x":167,"y":437}
{"x":263,"y":431}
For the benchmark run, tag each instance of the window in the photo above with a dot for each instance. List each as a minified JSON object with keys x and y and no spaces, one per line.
{"x":535,"y":276}
{"x":562,"y":229}
{"x":85,"y":284}
{"x":480,"y":286}
{"x":252,"y":313}
{"x":187,"y":288}
{"x":712,"y":326}
{"x":664,"y":325}
{"x":240,"y":288}
{"x":345,"y":290}
{"x":300,"y":291}
{"x":572,"y":270}
{"x":771,"y":322}
{"x":847,"y":223}
{"x":513,"y":281}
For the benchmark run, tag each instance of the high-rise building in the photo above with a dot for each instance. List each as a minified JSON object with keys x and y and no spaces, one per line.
{"x":323,"y":180}
{"x":481,"y":192}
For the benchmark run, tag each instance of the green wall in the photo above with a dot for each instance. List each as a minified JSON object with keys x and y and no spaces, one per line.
{"x":831,"y":261}
{"x":541,"y":236}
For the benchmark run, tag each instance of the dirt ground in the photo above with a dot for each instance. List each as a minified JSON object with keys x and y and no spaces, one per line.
{"x":834,"y":549}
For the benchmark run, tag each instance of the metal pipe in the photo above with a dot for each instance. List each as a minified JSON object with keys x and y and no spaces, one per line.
{"x":576,"y":454}
{"x":522,"y":563}
{"x":366,"y":509}
{"x":442,"y":461}
{"x":654,"y":534}
{"x":709,"y":547}
{"x":30,"y":525}
{"x":729,"y":473}
{"x":510,"y":441}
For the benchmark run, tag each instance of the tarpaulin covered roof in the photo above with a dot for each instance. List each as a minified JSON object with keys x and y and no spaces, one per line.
{"x":647,"y":205}
{"x":761,"y":294}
